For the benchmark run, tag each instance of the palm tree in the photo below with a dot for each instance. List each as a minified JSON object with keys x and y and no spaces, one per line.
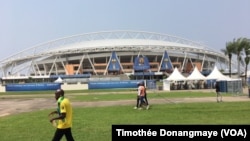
{"x":247,"y":60}
{"x":229,"y":52}
{"x":236,"y":47}
{"x":239,"y":47}
{"x":246,"y":43}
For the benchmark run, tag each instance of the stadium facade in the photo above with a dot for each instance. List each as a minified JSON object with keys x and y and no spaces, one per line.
{"x":110,"y":53}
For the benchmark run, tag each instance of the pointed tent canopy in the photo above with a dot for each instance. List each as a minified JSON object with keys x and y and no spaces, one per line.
{"x":196,"y":75}
{"x":176,"y":76}
{"x":58,"y":80}
{"x":216,"y":74}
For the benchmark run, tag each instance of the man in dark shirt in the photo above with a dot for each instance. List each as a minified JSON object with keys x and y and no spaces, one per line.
{"x":218,"y":93}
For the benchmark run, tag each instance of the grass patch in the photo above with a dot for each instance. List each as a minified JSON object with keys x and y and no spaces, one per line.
{"x":97,"y":95}
{"x":129,"y":96}
{"x":94,"y":124}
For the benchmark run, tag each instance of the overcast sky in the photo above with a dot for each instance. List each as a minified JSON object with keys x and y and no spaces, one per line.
{"x":26,"y":23}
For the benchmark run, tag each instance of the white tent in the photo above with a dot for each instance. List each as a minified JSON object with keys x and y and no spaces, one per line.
{"x":176,"y":76}
{"x":196,"y":75}
{"x":217,"y":75}
{"x":58,"y":80}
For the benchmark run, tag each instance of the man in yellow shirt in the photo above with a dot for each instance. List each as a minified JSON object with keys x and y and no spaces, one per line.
{"x":64,"y":118}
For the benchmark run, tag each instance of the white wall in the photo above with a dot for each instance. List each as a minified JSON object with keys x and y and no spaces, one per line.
{"x":166,"y":85}
{"x":77,"y":86}
{"x":2,"y":88}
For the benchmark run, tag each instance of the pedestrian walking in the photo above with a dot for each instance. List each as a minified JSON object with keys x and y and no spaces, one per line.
{"x":218,"y":92}
{"x":63,"y":118}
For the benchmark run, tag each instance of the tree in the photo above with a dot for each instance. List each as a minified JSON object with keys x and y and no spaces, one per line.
{"x":235,"y":47}
{"x":229,"y":52}
{"x":246,"y":44}
{"x":247,"y":60}
{"x":239,"y":45}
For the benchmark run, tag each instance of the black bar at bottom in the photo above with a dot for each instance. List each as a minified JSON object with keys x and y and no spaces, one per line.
{"x":182,"y":132}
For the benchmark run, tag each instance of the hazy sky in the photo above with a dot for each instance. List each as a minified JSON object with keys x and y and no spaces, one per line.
{"x":26,"y":23}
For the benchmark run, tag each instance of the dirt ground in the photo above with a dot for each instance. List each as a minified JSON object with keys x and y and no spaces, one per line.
{"x":11,"y":105}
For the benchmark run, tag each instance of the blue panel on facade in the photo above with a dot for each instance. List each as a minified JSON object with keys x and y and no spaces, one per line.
{"x":33,"y":87}
{"x":114,"y":64}
{"x":141,"y":63}
{"x":166,"y":63}
{"x":112,"y":84}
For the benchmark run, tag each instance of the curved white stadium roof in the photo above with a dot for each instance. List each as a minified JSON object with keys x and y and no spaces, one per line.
{"x":104,"y":41}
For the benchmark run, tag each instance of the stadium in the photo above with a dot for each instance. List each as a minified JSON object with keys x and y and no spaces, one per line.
{"x":133,"y":54}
